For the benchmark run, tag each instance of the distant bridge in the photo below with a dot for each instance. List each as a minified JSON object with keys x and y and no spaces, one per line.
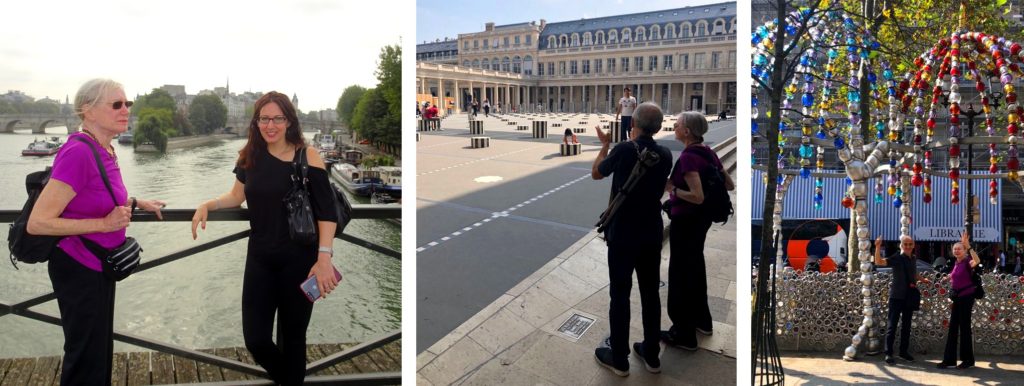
{"x":39,"y":122}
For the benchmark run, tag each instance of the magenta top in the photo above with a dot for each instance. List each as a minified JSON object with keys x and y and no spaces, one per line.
{"x":960,"y":278}
{"x":75,"y":165}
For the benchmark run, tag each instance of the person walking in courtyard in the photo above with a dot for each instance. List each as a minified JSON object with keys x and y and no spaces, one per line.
{"x":476,"y":108}
{"x":625,"y":108}
{"x":487,"y":108}
{"x":275,"y":265}
{"x":687,"y":276}
{"x":904,"y":277}
{"x":77,"y":205}
{"x":634,"y":236}
{"x":963,"y":289}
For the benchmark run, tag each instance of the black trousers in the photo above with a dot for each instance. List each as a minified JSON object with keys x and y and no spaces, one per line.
{"x":86,"y":302}
{"x":625,"y":127}
{"x":898,"y":314}
{"x":622,"y":261}
{"x":687,"y":276}
{"x":271,"y":287}
{"x":960,"y":325}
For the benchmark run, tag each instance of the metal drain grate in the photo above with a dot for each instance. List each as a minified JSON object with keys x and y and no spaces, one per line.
{"x":575,"y":326}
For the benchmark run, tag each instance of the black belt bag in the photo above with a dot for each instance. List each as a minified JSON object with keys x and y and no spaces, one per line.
{"x":120,"y":262}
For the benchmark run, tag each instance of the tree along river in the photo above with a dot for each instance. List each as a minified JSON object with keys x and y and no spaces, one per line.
{"x":194,"y":302}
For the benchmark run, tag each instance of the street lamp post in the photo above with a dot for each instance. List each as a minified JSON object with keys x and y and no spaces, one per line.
{"x":969,"y":217}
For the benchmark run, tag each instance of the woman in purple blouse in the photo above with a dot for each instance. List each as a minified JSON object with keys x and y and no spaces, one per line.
{"x":75,"y":203}
{"x":963,"y":303}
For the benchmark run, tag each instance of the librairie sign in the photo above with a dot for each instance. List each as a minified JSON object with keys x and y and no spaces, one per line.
{"x":981,"y":234}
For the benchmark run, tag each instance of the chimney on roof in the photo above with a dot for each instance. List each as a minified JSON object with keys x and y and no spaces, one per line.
{"x":543,"y":23}
{"x":489,"y":26}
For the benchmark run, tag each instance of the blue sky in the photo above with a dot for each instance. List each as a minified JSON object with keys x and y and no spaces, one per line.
{"x":440,"y":19}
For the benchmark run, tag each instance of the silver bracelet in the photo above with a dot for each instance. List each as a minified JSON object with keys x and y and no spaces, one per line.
{"x":328,"y":250}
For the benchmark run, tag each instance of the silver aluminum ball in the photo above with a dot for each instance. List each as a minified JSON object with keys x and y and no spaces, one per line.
{"x":850,"y":353}
{"x":864,"y":267}
{"x":869,"y":322}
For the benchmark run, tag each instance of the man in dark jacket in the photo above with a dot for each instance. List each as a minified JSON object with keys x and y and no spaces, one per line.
{"x":634,"y":236}
{"x":904,"y":276}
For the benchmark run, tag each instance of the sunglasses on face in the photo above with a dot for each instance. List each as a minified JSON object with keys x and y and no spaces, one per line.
{"x":117,"y":105}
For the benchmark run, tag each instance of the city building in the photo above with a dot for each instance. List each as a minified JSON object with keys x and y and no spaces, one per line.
{"x":681,"y":59}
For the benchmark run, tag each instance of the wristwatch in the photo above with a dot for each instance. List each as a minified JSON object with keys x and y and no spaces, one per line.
{"x":328,"y":250}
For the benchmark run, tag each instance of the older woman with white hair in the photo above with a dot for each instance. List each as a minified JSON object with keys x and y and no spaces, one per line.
{"x":687,"y":276}
{"x":76,"y":204}
{"x":963,"y":290}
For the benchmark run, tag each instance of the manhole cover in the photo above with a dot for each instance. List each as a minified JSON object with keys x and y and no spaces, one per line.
{"x":488,"y":179}
{"x":576,"y":326}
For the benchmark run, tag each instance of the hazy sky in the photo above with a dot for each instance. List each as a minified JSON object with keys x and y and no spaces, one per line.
{"x":437,"y":20}
{"x":312,"y":48}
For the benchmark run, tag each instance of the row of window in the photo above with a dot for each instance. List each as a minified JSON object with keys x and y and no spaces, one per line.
{"x":504,"y":42}
{"x":639,"y":34}
{"x":607,"y":65}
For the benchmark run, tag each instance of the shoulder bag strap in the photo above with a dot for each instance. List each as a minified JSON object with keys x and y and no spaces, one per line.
{"x":103,"y":170}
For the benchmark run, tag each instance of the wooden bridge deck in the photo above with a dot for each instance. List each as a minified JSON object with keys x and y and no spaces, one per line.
{"x":155,"y":368}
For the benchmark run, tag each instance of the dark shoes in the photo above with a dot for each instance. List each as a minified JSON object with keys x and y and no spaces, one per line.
{"x":603,"y":355}
{"x":906,"y":357}
{"x":683,"y":341}
{"x":705,"y":331}
{"x":965,"y":365}
{"x":889,"y":360}
{"x":653,"y":365}
{"x":945,"y":365}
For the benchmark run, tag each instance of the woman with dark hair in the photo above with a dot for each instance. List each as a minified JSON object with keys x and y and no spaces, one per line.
{"x":687,"y":278}
{"x":76,"y":203}
{"x":275,"y":266}
{"x":962,"y":289}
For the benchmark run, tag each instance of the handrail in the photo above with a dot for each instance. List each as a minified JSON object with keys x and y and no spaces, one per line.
{"x":362,"y":211}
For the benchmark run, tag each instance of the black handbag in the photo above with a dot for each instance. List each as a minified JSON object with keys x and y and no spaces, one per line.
{"x":301,"y":225}
{"x":979,"y":290}
{"x":913,"y":294}
{"x":120,"y":262}
{"x":342,"y":207}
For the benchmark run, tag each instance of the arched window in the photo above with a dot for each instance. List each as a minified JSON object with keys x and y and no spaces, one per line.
{"x":670,"y":31}
{"x":575,"y":40}
{"x":613,"y":36}
{"x":640,"y":34}
{"x":599,"y":37}
{"x":528,"y":65}
{"x":506,"y":64}
{"x":485,"y":64}
{"x":495,"y":64}
{"x":732,"y":27}
{"x":563,"y":41}
{"x":465,"y":63}
{"x":587,"y":38}
{"x":551,"y":42}
{"x":685,"y":29}
{"x":626,"y":34}
{"x":517,"y":65}
{"x":702,"y":28}
{"x":655,"y":32}
{"x":719,"y":28}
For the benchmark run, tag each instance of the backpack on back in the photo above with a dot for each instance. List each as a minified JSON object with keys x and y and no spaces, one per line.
{"x":717,"y":205}
{"x":25,"y":247}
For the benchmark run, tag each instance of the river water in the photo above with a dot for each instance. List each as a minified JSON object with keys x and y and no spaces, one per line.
{"x":194,"y":302}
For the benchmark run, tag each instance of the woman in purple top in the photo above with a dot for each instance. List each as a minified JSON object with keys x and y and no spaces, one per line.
{"x":687,"y":277}
{"x":963,"y":303}
{"x":75,"y":203}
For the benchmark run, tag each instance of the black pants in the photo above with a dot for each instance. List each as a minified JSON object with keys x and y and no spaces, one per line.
{"x":898,"y":314}
{"x":86,"y":302}
{"x":687,"y":276}
{"x":271,"y":286}
{"x":625,"y":127}
{"x":960,"y":325}
{"x":621,"y":263}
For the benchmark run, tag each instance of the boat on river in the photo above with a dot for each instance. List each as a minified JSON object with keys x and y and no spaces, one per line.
{"x":126,"y":138}
{"x":366,"y":182}
{"x":43,"y":147}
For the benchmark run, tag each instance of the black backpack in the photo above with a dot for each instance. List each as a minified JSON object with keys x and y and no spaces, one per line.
{"x":717,"y":205}
{"x":25,"y":247}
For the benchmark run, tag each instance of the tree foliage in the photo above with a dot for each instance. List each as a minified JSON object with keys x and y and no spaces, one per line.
{"x":389,"y":77}
{"x":159,"y":99}
{"x":347,"y":103}
{"x":154,"y":127}
{"x":207,"y":113}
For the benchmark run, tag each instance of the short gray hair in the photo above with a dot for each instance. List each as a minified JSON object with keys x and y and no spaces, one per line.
{"x":906,"y":237}
{"x":92,"y":91}
{"x":695,"y":121}
{"x":648,"y":118}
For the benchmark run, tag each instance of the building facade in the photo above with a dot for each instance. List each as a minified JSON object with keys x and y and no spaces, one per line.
{"x":681,"y":59}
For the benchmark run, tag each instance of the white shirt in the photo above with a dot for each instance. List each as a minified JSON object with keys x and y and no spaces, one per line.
{"x":628,"y":105}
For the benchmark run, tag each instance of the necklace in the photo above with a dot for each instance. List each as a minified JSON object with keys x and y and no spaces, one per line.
{"x":113,"y":154}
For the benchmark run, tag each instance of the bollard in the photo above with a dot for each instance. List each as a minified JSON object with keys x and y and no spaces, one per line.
{"x":570,"y":149}
{"x":579,"y":130}
{"x":540,"y":129}
{"x":476,"y":127}
{"x":480,"y":142}
{"x":417,"y":136}
{"x":615,"y":131}
{"x":522,"y":128}
{"x":423,"y":125}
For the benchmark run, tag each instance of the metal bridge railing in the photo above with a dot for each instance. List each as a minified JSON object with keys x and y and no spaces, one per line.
{"x":22,"y":308}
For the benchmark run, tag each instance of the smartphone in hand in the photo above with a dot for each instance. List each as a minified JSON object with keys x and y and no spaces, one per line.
{"x":311,"y":289}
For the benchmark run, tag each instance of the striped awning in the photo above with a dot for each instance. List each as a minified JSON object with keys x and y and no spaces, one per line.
{"x":938,"y":221}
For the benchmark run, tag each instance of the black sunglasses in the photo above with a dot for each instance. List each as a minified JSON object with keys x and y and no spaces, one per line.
{"x":117,"y":105}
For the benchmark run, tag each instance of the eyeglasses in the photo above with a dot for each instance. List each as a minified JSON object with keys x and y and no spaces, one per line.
{"x":117,"y":105}
{"x":278,"y":120}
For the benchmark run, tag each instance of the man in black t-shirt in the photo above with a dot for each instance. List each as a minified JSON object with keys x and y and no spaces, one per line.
{"x":904,"y":276}
{"x":634,"y":236}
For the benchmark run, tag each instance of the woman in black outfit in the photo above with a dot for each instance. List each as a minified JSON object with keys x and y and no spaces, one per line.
{"x":275,"y":266}
{"x":687,"y":278}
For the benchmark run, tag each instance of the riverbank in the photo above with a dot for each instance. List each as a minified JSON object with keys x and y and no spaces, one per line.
{"x":186,"y":142}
